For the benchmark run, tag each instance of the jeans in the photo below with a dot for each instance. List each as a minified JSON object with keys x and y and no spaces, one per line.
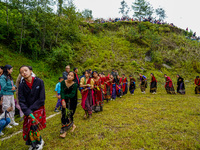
{"x":3,"y":123}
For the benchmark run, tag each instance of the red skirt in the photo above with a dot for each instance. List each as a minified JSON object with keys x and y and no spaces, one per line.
{"x":40,"y":116}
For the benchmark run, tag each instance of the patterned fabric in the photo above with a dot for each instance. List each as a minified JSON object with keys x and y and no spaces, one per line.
{"x":31,"y":127}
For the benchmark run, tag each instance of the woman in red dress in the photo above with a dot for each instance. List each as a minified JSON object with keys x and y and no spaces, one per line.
{"x":169,"y":85}
{"x":87,"y":92}
{"x":97,"y":92}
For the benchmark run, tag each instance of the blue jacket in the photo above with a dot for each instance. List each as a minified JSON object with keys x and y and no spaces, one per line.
{"x":6,"y":86}
{"x":31,"y":100}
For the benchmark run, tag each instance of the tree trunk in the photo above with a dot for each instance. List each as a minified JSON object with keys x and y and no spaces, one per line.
{"x":22,"y":26}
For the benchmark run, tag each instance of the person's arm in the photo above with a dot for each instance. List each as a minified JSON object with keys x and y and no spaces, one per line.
{"x":4,"y":86}
{"x":82,"y":83}
{"x":92,"y":83}
{"x":74,"y":91}
{"x":39,"y":102}
{"x":22,"y":101}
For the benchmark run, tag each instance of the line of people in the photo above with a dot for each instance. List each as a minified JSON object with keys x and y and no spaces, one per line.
{"x":95,"y":88}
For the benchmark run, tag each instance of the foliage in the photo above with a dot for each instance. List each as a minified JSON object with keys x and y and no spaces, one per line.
{"x":124,"y":9}
{"x":161,"y":13}
{"x":87,"y":14}
{"x":60,"y":57}
{"x":142,"y":8}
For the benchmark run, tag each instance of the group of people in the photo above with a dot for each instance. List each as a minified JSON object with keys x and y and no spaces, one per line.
{"x":94,"y":87}
{"x":30,"y":95}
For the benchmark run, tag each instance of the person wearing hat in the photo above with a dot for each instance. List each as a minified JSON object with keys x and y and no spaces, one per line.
{"x":7,"y":90}
{"x":197,"y":83}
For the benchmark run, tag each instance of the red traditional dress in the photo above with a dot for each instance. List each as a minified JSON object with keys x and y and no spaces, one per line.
{"x":87,"y":95}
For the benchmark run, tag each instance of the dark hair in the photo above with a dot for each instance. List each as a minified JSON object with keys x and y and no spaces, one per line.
{"x":130,"y":75}
{"x":1,"y":67}
{"x":1,"y":96}
{"x":197,"y":76}
{"x":74,"y":75}
{"x":30,"y":68}
{"x":89,"y":70}
{"x":165,"y":75}
{"x":94,"y":72}
{"x":75,"y":69}
{"x":60,"y":78}
{"x":24,"y":66}
{"x":123,"y":74}
{"x":5,"y":72}
{"x":152,"y":74}
{"x":83,"y":73}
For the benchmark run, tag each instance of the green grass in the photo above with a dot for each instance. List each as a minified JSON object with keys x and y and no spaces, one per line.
{"x":133,"y":122}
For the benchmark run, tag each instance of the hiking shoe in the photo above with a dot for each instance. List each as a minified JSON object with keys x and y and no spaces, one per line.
{"x":40,"y":146}
{"x":15,"y":124}
{"x":1,"y":133}
{"x":56,"y":110}
{"x":9,"y":126}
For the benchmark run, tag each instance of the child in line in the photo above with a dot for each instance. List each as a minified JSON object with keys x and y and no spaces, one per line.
{"x":4,"y":119}
{"x":58,"y":89}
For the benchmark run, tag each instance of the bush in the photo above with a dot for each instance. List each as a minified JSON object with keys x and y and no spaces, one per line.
{"x":60,"y":57}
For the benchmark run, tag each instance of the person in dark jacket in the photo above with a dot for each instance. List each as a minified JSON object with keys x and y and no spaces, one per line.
{"x":67,"y":70}
{"x":180,"y":85}
{"x":31,"y":95}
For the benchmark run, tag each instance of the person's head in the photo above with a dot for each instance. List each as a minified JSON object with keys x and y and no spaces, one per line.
{"x":113,"y":70}
{"x":140,"y":74}
{"x":1,"y":70}
{"x":1,"y":99}
{"x":95,"y":74}
{"x":123,"y":75}
{"x":87,"y":73}
{"x":165,"y":76}
{"x":90,"y":70}
{"x":130,"y":76}
{"x":67,"y":68}
{"x":7,"y":71}
{"x":71,"y":76}
{"x":61,"y":79}
{"x":197,"y":77}
{"x":118,"y":76}
{"x":100,"y":75}
{"x":25,"y":71}
{"x":111,"y":76}
{"x":76,"y":70}
{"x":177,"y":75}
{"x":151,"y":74}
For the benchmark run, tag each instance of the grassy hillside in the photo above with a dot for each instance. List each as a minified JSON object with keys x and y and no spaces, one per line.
{"x":126,"y":46}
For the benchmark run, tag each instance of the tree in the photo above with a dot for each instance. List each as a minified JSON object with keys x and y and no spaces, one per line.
{"x":160,"y":12}
{"x":142,"y":8}
{"x":87,"y":14}
{"x":124,"y":9}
